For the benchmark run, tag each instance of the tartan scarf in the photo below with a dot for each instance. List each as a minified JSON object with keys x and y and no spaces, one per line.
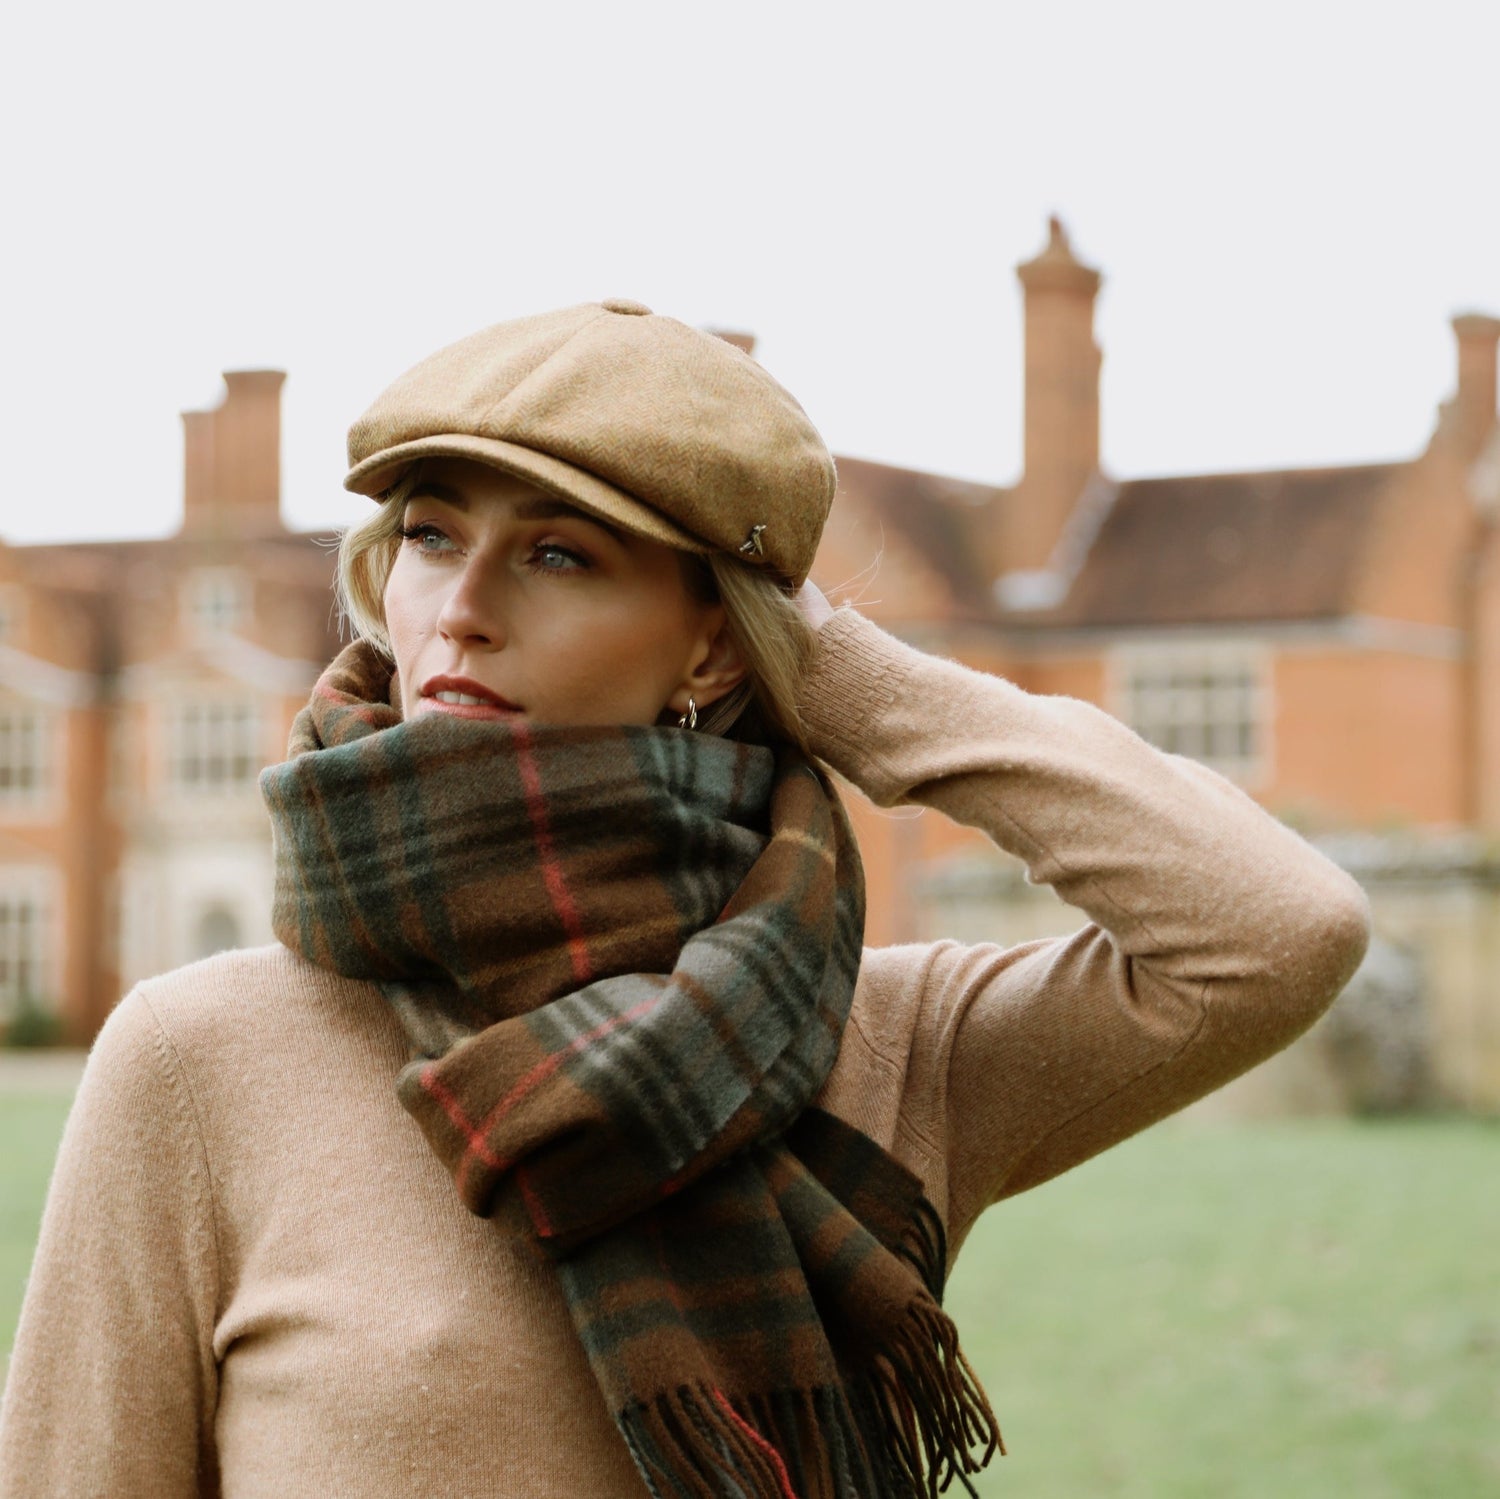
{"x":624,"y":958}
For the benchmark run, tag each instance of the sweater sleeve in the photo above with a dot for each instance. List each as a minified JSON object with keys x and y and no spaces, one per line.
{"x":1215,"y":934}
{"x":111,"y":1386}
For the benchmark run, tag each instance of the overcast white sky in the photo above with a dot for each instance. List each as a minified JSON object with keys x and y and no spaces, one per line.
{"x":1288,"y":202}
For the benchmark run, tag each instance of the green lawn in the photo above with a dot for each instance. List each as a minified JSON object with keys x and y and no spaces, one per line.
{"x":30,"y":1126}
{"x":1298,"y":1310}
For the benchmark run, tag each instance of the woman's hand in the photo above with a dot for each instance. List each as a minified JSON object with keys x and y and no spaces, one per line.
{"x":813,"y":603}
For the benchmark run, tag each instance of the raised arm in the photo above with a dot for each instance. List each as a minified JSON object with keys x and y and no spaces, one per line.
{"x":1216,"y":934}
{"x":111,"y":1387}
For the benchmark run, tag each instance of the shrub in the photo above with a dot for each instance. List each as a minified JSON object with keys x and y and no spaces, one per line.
{"x":1377,"y":1037}
{"x":33,"y":1024}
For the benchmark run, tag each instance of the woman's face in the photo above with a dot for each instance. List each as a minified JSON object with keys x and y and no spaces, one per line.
{"x":504,"y":600}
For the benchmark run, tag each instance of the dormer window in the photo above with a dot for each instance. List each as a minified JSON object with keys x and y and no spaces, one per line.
{"x":216,"y":600}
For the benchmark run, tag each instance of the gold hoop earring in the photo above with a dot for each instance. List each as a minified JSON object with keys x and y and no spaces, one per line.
{"x":689,"y":720}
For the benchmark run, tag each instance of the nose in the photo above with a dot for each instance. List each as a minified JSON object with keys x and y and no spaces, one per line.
{"x":473,"y":609}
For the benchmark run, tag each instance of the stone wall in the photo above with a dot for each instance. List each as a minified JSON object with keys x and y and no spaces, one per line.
{"x":1418,"y":1027}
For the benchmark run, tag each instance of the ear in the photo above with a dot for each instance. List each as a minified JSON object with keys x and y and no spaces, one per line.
{"x":714,"y":670}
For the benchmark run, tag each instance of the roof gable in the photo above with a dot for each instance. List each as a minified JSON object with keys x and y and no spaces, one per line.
{"x":1226,"y":548}
{"x":940,"y":519}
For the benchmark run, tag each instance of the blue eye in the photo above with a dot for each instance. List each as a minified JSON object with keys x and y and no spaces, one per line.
{"x":549,"y":557}
{"x":427,"y":537}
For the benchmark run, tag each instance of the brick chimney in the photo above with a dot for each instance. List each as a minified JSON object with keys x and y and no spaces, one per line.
{"x":232,"y":457}
{"x":1470,"y":416}
{"x":1062,"y":403}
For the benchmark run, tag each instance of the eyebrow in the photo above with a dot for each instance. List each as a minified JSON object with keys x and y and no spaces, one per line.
{"x":537,"y":507}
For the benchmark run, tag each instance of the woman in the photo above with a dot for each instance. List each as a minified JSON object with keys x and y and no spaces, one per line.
{"x":552,"y":855}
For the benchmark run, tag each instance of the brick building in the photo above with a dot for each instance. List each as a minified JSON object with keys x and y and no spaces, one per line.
{"x":1328,"y":637}
{"x":142,"y":686}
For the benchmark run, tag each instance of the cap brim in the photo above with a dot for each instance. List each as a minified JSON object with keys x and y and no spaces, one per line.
{"x":377,"y":473}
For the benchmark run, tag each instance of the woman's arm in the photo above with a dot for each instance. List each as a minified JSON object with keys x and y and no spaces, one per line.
{"x":111,"y":1387}
{"x":1216,"y":936}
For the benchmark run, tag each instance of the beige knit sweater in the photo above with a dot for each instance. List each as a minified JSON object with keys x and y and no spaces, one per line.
{"x":254,"y":1279}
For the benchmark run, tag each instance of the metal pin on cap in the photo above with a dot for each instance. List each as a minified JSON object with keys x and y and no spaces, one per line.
{"x":751,"y":546}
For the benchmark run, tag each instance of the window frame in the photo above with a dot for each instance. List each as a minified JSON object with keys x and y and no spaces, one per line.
{"x":25,"y":804}
{"x":1231,"y":682}
{"x":34,"y":887}
{"x":215,"y":601}
{"x":225,"y":730}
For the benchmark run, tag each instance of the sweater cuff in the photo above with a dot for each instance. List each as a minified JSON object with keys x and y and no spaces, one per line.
{"x":857,"y":672}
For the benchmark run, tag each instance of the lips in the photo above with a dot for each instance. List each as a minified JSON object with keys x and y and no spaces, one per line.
{"x":464,"y":698}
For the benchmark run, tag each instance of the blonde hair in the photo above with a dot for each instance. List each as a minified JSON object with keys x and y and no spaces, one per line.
{"x":773,"y":639}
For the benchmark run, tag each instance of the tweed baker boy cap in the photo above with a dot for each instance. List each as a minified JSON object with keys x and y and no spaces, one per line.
{"x":659,"y":428}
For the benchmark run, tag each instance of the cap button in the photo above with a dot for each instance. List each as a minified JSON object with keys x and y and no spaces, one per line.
{"x":625,"y":305}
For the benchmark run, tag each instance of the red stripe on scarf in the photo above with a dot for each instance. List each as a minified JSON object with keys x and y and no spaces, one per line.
{"x":539,"y":1219}
{"x":369,"y":714}
{"x":552,"y":875}
{"x":772,"y":1455}
{"x":454,"y":1110}
{"x":477,"y":1135}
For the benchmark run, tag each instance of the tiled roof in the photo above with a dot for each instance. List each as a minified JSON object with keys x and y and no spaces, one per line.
{"x":938,"y":517}
{"x":1226,"y":548}
{"x":1218,"y":548}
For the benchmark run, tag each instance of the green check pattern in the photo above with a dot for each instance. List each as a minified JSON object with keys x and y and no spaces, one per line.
{"x":625,"y":958}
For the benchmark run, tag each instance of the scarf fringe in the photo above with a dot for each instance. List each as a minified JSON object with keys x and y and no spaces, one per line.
{"x":918,"y":1421}
{"x":697,"y":1443}
{"x":905,"y":1423}
{"x":926,"y":1407}
{"x":925,"y":1247}
{"x":925,"y":1384}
